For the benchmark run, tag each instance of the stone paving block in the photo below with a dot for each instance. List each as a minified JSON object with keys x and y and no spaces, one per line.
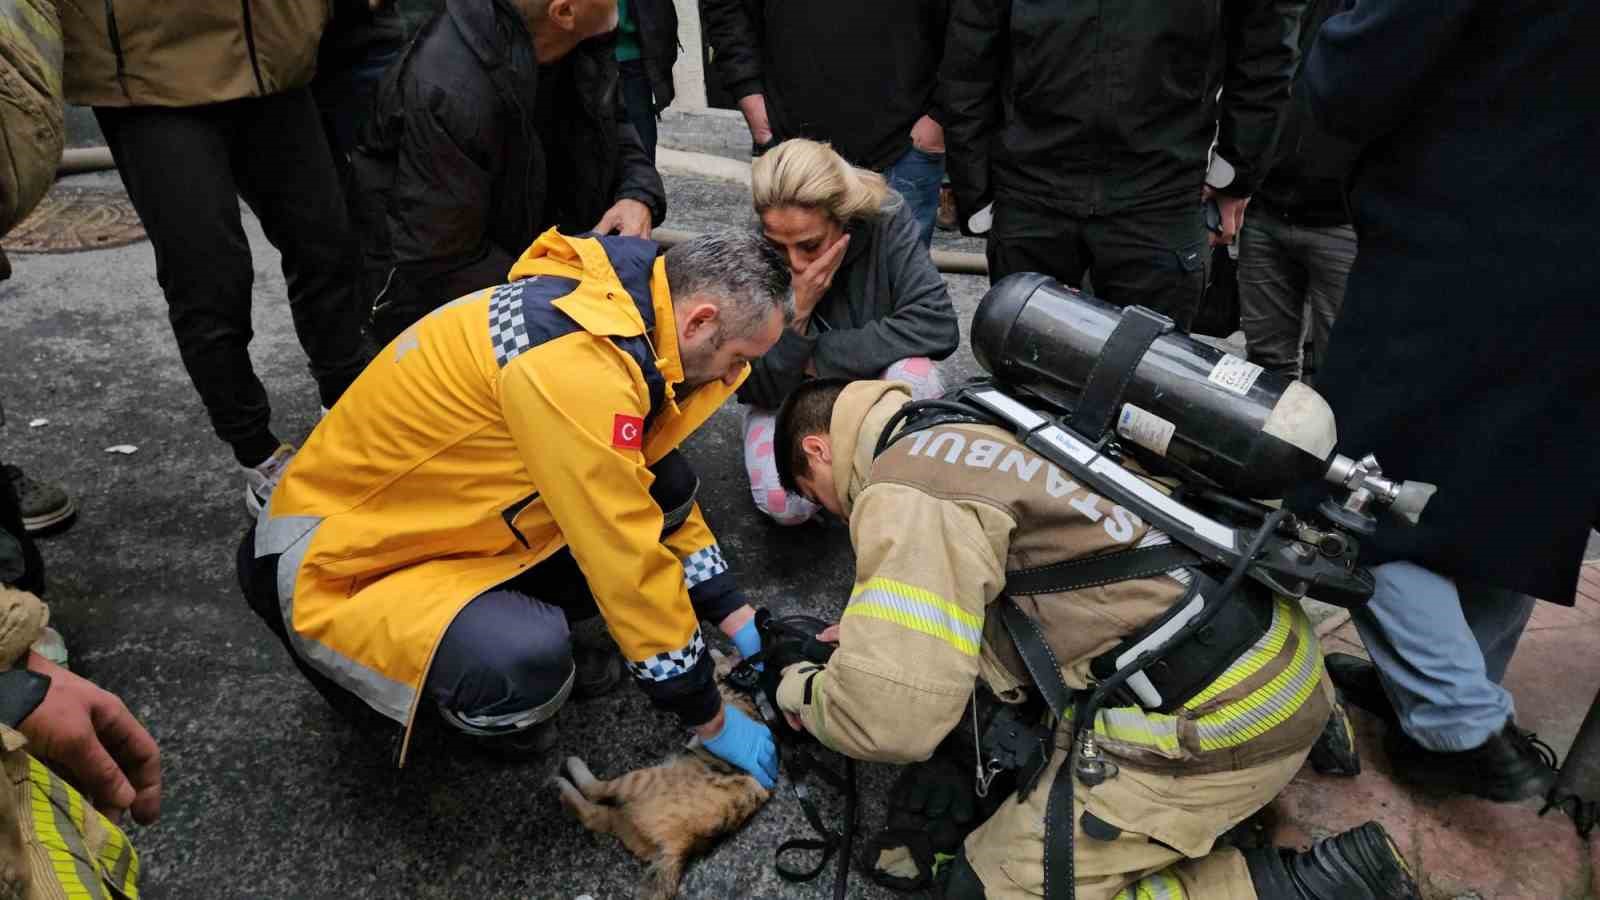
{"x":1463,"y":847}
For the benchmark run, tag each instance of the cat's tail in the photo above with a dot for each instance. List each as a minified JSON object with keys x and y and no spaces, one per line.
{"x":662,"y":877}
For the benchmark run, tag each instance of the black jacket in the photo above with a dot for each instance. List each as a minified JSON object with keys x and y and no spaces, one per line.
{"x":1306,"y":182}
{"x":1088,"y":108}
{"x":658,"y":45}
{"x":855,"y":73}
{"x":1465,"y":353}
{"x":456,"y":176}
{"x":887,"y":302}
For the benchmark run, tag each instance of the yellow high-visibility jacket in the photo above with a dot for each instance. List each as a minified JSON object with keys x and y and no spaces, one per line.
{"x":492,"y":433}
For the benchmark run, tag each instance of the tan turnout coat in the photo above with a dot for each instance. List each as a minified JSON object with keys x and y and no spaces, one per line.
{"x":936,"y":521}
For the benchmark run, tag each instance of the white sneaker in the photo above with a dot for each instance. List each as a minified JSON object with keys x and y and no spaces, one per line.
{"x":260,"y":480}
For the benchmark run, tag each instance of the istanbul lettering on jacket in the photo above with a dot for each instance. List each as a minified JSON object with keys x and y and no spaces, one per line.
{"x":983,"y":453}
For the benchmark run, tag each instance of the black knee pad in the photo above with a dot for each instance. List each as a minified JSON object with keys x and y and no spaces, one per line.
{"x":674,"y":489}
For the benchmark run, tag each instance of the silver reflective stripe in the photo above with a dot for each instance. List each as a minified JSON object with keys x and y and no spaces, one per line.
{"x":515,"y":721}
{"x":1275,"y":701}
{"x":291,"y":536}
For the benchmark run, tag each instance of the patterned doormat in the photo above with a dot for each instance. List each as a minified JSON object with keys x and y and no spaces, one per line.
{"x":76,"y":217}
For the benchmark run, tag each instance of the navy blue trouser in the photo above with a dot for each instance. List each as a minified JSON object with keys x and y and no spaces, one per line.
{"x":505,"y":662}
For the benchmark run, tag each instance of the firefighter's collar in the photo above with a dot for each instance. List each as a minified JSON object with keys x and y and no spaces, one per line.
{"x":859,"y":415}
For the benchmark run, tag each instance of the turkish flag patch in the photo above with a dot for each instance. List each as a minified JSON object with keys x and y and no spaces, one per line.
{"x":627,"y":432}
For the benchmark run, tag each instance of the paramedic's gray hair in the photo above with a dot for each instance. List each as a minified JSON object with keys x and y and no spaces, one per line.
{"x":741,"y":270}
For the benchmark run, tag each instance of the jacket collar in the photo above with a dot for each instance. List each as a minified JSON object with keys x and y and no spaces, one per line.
{"x":858,"y":418}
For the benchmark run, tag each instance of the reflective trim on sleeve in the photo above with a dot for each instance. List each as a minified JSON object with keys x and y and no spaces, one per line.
{"x":703,"y":565}
{"x":912,"y":607}
{"x":670,"y":663}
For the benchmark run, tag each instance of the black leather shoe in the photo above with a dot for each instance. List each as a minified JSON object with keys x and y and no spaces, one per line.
{"x":1359,"y":685}
{"x":1360,"y":864}
{"x":1512,"y":765}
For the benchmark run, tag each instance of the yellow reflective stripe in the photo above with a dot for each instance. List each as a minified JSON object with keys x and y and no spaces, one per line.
{"x":1242,"y":720}
{"x":119,"y":862}
{"x":1274,"y":702}
{"x":1131,"y":725}
{"x":1262,"y":652}
{"x":1163,"y":885}
{"x":56,"y":831}
{"x":919,"y":610}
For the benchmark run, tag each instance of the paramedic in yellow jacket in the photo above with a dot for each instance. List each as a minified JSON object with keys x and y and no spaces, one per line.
{"x":508,"y":464}
{"x":936,"y":521}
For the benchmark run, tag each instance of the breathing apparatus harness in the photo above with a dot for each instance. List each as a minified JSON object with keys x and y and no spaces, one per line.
{"x":1232,"y":553}
{"x":1173,"y":658}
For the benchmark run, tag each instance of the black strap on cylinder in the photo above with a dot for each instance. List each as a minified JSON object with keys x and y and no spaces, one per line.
{"x":1106,"y":568}
{"x":1119,"y":358}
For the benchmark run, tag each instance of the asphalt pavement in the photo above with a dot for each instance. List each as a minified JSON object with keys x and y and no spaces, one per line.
{"x":267,"y":793}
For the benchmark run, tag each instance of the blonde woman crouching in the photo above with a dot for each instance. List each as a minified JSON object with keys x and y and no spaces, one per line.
{"x":868,"y":301}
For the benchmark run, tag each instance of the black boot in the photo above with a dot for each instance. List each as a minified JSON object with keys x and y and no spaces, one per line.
{"x":1360,"y":864}
{"x":1335,"y":752}
{"x":1512,"y":765}
{"x":597,"y":660}
{"x":1359,"y":685}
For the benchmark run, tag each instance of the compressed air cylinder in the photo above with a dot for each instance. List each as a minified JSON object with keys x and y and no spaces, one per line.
{"x":1252,"y":432}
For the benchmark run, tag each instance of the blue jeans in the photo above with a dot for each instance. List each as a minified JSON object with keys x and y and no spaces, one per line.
{"x":1441,"y":648}
{"x":917,"y":175}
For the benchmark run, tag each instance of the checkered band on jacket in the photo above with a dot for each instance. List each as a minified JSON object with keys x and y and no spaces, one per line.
{"x":508,"y":326}
{"x":671,"y":663}
{"x":703,"y":565}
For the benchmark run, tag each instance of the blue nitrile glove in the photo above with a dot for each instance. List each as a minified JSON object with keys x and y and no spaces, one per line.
{"x":747,"y":744}
{"x":748,"y":640}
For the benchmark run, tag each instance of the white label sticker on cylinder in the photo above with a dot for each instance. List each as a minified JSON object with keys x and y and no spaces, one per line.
{"x":1145,"y":428}
{"x":1235,"y":374}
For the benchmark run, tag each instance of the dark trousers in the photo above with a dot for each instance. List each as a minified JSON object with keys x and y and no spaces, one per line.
{"x":1152,"y":257}
{"x":185,"y":170}
{"x":508,"y":651}
{"x":1291,"y":283}
{"x":640,"y":101}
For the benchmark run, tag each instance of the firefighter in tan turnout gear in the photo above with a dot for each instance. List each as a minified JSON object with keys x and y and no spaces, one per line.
{"x":937,"y":520}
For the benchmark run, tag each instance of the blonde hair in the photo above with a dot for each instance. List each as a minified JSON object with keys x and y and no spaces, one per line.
{"x":809,"y":174}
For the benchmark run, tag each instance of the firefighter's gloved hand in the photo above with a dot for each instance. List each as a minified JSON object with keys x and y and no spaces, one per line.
{"x":932,"y":809}
{"x":747,"y":744}
{"x":748,"y":640}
